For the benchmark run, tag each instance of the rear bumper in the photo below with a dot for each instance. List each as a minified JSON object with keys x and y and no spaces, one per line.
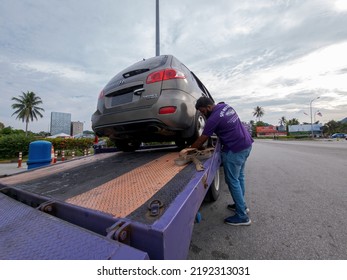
{"x":146,"y":122}
{"x":143,"y":130}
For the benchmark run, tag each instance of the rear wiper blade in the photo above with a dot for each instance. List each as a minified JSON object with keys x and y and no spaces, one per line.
{"x":135,"y":72}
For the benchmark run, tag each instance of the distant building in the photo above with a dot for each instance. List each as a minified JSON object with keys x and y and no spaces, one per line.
{"x":76,"y":128}
{"x":270,"y":131}
{"x":248,"y":126}
{"x":282,"y":128}
{"x":60,"y":123}
{"x":305,"y":129}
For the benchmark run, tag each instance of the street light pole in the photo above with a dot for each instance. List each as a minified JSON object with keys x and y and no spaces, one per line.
{"x":157,"y":37}
{"x":311,"y":114}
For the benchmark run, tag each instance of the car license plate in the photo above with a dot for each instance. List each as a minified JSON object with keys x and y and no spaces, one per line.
{"x":122,"y":99}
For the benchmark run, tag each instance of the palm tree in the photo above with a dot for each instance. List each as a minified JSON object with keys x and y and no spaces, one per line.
{"x":282,"y":121}
{"x":293,"y":121}
{"x":26,"y":108}
{"x":258,"y":112}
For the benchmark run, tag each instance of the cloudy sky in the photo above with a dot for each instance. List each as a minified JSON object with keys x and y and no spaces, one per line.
{"x":277,"y":54}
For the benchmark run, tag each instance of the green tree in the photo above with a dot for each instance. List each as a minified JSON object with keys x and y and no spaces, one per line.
{"x":7,"y":130}
{"x":261,"y":123}
{"x":293,"y":121}
{"x":26,"y":108}
{"x":331,"y":127}
{"x":1,"y":125}
{"x":252,"y":123}
{"x":43,"y":134}
{"x":258,"y":112}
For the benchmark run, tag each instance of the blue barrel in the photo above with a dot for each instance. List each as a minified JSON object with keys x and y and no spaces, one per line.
{"x":39,"y":154}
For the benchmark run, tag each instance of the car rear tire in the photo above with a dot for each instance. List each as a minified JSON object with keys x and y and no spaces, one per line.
{"x":195,"y":132}
{"x":127,"y":146}
{"x":199,"y":126}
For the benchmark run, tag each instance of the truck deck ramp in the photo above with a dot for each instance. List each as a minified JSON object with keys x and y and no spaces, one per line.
{"x":52,"y":238}
{"x":120,"y":184}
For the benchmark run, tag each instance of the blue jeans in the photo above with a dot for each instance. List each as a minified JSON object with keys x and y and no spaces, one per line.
{"x":234,"y":167}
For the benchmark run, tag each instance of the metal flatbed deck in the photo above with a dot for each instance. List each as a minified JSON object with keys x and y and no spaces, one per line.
{"x":136,"y":204}
{"x":52,"y":238}
{"x":120,"y":184}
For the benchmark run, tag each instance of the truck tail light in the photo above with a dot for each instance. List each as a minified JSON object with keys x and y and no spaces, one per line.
{"x":167,"y":110}
{"x":163,"y":75}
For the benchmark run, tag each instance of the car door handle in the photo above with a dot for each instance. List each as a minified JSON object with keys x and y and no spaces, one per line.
{"x":139,"y":91}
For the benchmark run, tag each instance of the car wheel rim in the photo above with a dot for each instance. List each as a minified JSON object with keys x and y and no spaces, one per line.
{"x":201,"y":125}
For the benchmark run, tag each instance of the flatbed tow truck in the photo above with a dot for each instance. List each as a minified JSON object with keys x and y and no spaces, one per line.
{"x":129,"y":206}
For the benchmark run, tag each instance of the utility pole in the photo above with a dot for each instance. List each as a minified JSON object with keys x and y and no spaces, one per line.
{"x":157,"y":39}
{"x":311,"y":115}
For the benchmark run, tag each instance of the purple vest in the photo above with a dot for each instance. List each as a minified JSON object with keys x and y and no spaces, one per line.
{"x":225,"y":122}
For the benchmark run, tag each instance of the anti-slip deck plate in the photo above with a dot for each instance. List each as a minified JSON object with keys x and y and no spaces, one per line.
{"x":39,"y":173}
{"x":122,"y":195}
{"x":131,"y":180}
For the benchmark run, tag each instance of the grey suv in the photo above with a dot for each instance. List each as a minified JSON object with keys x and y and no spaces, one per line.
{"x":151,"y":101}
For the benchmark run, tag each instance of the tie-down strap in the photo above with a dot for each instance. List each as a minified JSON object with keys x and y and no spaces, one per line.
{"x":188,"y":155}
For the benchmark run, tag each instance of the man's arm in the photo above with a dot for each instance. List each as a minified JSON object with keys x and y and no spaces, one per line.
{"x":199,"y":142}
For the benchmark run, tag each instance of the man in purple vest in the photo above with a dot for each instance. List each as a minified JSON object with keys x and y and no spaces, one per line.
{"x":236,"y":146}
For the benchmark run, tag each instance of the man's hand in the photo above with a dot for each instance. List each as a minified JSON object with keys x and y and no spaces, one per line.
{"x":187,"y":152}
{"x":199,"y":142}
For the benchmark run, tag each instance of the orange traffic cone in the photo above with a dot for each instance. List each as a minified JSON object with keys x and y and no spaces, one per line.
{"x":20,"y":160}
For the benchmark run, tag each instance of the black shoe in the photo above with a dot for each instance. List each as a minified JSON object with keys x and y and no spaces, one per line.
{"x":232,"y":207}
{"x":236,"y":221}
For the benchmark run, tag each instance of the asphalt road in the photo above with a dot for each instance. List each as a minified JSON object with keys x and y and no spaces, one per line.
{"x":297,"y":195}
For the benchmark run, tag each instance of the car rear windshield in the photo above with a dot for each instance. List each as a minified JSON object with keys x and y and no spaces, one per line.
{"x":145,"y":65}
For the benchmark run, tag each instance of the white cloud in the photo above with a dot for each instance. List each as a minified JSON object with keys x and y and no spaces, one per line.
{"x":315,"y":74}
{"x":340,"y":5}
{"x":57,"y":69}
{"x":277,"y":54}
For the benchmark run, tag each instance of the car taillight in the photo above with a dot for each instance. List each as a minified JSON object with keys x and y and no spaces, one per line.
{"x":167,"y":110}
{"x":101,"y":95}
{"x":163,"y":75}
